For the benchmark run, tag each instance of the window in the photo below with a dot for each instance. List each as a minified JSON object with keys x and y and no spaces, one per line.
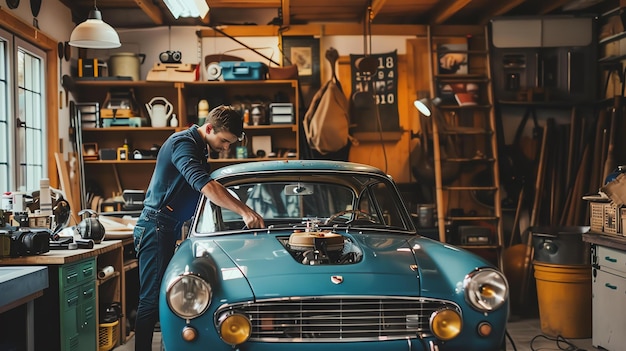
{"x":23,"y":149}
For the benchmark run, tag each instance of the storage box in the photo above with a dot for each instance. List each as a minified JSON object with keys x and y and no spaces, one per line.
{"x":596,"y":212}
{"x":622,"y":217}
{"x":281,"y":113}
{"x":91,"y":67}
{"x":612,"y":218}
{"x":241,"y":70}
{"x":173,"y":72}
{"x":108,"y":335}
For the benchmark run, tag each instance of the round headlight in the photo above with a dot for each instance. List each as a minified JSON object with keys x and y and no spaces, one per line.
{"x":486,"y":289}
{"x":235,"y":328}
{"x":188,"y":296}
{"x":446,"y":324}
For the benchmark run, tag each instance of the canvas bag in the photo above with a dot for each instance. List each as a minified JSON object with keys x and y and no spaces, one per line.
{"x":327,"y":121}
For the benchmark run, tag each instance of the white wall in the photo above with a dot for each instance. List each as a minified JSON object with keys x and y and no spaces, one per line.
{"x":152,"y":42}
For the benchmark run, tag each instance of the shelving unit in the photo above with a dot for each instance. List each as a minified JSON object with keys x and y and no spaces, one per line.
{"x":612,"y":54}
{"x":468,"y":214}
{"x":110,"y":289}
{"x":110,"y":177}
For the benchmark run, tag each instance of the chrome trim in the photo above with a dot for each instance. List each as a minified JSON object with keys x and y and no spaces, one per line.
{"x":338,"y":318}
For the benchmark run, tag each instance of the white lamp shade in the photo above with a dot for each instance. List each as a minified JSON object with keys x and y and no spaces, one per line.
{"x":422,"y":107}
{"x":95,"y":34}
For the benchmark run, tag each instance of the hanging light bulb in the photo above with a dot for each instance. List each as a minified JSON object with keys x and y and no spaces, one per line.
{"x":95,"y":33}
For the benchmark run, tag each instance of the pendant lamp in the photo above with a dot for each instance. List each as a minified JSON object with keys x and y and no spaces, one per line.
{"x":95,"y":33}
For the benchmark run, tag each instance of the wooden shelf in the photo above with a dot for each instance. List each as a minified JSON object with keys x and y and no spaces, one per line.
{"x":130,"y":264}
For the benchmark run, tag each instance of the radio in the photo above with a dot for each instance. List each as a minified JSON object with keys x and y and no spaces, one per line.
{"x":170,"y":56}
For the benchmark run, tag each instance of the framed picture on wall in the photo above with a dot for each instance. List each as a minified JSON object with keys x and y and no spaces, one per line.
{"x":304,"y":52}
{"x":452,"y":58}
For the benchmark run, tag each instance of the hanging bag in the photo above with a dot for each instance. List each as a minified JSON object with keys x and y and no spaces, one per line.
{"x":327,"y":121}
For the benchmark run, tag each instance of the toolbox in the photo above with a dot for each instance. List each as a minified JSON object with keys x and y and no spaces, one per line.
{"x":241,"y":70}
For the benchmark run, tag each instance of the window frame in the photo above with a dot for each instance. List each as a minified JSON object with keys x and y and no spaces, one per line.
{"x":32,"y":35}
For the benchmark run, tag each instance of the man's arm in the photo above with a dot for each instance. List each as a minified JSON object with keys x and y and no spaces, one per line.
{"x":216,"y":192}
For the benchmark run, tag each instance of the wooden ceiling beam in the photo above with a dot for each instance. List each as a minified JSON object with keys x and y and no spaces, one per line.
{"x":151,"y":10}
{"x":285,"y":4}
{"x":500,"y":9}
{"x":377,"y":5}
{"x":314,"y":30}
{"x":549,"y":6}
{"x":444,"y":10}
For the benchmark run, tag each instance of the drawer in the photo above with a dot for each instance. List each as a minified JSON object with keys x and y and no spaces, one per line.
{"x":70,"y":299}
{"x":610,"y":258}
{"x":72,"y":274}
{"x":607,"y":321}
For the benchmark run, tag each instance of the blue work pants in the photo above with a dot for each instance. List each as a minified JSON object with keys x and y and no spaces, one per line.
{"x":155,"y":238}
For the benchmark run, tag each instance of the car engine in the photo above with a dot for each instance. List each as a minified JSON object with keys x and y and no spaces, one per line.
{"x":321,"y":248}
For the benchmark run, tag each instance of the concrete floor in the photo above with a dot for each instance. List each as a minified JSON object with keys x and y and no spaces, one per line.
{"x":525,"y":333}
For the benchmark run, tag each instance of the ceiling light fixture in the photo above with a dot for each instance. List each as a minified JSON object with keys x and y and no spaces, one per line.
{"x":94,"y":33}
{"x":187,"y":8}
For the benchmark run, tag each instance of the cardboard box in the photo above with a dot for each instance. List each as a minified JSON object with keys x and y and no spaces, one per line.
{"x":174,"y":72}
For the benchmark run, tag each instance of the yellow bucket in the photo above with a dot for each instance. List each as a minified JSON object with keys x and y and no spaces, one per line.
{"x":564,"y":297}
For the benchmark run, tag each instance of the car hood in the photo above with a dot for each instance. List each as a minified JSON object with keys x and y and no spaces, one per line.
{"x":396,"y":264}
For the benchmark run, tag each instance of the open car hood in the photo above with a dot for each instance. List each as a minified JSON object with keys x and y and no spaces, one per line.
{"x":387,"y":264}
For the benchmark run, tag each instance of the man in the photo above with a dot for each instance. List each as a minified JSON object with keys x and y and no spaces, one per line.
{"x":181,"y":171}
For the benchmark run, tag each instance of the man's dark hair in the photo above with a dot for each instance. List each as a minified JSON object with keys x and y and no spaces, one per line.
{"x":225,"y":118}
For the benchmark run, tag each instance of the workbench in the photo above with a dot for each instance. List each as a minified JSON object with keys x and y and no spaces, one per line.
{"x":66,"y":315}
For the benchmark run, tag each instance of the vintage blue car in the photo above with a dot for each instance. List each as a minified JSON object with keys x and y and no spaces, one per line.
{"x":340,"y":266}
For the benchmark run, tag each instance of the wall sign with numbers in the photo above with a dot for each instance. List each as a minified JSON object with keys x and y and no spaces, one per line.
{"x":381,"y":87}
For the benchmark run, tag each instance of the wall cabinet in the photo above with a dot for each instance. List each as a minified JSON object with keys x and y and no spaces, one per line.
{"x":106,"y":172}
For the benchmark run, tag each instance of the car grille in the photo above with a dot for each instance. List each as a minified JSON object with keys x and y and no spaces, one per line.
{"x":322,"y":319}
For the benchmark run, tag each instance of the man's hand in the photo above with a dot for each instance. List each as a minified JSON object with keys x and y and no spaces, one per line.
{"x":253,"y":220}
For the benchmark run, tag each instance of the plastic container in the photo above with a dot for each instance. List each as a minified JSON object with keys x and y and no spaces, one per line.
{"x":108,"y":335}
{"x":241,"y":70}
{"x":561,"y":245}
{"x":564,"y":298}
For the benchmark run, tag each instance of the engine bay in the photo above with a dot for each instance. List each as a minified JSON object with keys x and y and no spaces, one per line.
{"x":321,"y":248}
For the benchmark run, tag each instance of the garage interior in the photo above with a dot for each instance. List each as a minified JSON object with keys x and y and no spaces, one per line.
{"x":554,"y":91}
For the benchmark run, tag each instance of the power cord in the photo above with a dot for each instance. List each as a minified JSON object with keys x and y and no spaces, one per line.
{"x":559,"y":341}
{"x":508,"y":336}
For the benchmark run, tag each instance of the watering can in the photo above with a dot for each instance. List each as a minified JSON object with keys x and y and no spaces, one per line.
{"x":159,"y":110}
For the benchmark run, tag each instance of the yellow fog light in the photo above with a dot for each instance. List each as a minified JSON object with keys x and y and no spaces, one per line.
{"x":446,"y":324}
{"x":235,"y":329}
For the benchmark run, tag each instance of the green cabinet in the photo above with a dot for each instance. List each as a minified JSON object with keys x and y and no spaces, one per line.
{"x":77,"y":294}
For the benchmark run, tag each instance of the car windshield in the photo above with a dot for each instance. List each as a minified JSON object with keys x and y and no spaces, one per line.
{"x":340,"y":199}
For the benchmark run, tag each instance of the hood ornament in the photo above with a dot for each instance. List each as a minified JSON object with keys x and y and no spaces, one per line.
{"x":336,"y":279}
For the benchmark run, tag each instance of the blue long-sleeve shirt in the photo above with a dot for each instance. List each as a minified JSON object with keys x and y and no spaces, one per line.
{"x":181,"y":171}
